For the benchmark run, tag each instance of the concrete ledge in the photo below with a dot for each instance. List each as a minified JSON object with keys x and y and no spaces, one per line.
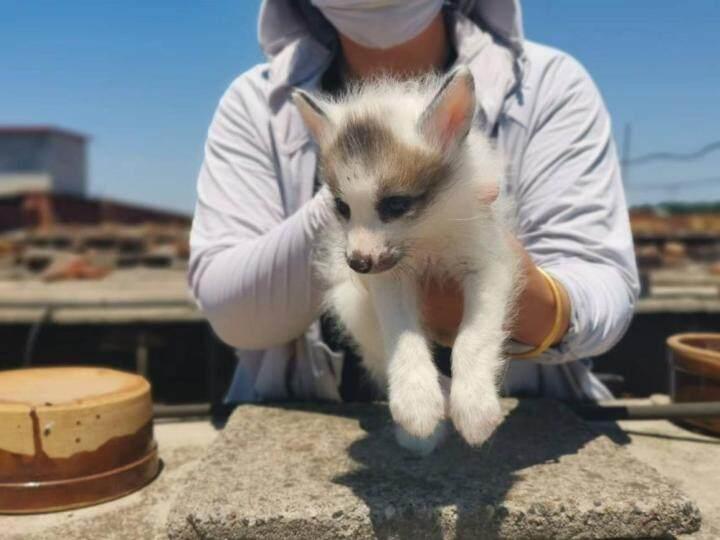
{"x":334,"y":471}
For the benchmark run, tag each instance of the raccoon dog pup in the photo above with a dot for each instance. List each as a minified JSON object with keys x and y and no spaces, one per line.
{"x":415,"y":185}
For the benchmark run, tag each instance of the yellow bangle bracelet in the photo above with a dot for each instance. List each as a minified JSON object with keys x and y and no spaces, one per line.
{"x":553,"y":334}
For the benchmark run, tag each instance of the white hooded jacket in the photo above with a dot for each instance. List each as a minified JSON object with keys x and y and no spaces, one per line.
{"x":256,"y":216}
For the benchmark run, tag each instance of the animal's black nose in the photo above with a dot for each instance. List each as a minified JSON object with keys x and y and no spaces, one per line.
{"x":362,"y":264}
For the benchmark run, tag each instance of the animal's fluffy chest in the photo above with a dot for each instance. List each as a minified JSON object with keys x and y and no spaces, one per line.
{"x":441,"y":258}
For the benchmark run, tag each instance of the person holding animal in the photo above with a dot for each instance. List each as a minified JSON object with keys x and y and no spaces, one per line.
{"x":264,"y":208}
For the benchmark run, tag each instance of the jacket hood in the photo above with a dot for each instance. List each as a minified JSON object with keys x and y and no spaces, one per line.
{"x":300,"y":43}
{"x":282,"y":22}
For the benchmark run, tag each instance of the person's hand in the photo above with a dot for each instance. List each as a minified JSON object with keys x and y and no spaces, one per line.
{"x":442,"y":301}
{"x":441,"y":309}
{"x":442,"y":306}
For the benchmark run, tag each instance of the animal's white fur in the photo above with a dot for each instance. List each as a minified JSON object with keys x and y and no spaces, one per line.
{"x":460,"y":235}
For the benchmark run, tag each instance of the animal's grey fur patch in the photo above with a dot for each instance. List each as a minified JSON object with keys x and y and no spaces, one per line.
{"x":401,"y":169}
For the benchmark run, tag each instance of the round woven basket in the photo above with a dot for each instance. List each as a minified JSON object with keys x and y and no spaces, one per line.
{"x":695,"y":373}
{"x":73,"y":436}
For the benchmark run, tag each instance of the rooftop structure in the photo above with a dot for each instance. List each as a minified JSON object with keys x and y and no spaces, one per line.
{"x":42,"y":159}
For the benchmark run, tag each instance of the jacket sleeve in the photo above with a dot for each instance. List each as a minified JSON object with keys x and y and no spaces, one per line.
{"x":250,"y":264}
{"x":572,"y":213}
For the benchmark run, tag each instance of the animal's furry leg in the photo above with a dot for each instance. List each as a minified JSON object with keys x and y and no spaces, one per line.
{"x":414,"y":392}
{"x":477,"y":354}
{"x":422,"y":445}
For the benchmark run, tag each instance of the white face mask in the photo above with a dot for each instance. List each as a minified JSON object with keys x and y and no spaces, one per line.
{"x":379,"y":24}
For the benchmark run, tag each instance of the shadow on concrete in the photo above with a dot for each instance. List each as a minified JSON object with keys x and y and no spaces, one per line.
{"x":457,"y":487}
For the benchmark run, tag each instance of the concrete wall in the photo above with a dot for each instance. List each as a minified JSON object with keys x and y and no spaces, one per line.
{"x":23,"y":152}
{"x":67,"y":163}
{"x":28,"y":155}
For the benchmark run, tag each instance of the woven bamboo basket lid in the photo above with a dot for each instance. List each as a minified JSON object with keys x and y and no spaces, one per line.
{"x":73,"y":436}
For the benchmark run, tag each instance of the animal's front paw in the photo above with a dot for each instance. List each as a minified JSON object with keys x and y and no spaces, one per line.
{"x":475,"y":411}
{"x":417,"y":402}
{"x":422,"y":446}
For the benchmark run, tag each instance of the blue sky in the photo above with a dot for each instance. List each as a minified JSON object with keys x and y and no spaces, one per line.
{"x":143,"y":78}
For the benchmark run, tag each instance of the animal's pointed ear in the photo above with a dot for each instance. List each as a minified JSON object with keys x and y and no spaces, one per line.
{"x":448,"y":118}
{"x":312,"y":113}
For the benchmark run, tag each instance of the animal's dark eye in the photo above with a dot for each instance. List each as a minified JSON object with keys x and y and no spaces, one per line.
{"x":342,"y":208}
{"x":394,"y":207}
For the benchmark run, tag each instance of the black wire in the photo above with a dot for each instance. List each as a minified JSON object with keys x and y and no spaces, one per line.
{"x":671,"y":411}
{"x":673,"y":156}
